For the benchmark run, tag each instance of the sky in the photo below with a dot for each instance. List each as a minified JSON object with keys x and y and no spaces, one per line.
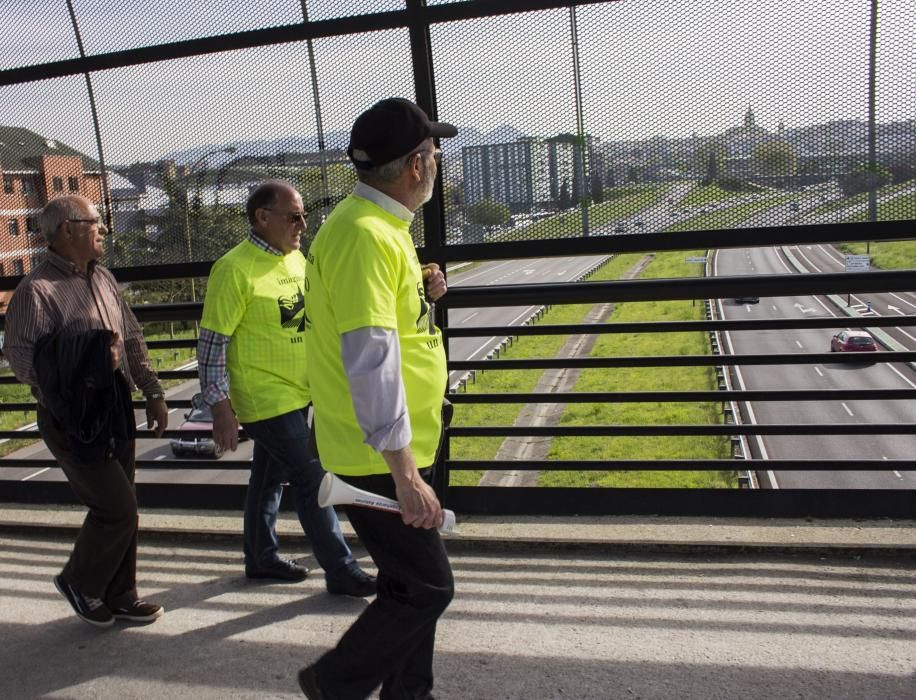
{"x":648,"y":67}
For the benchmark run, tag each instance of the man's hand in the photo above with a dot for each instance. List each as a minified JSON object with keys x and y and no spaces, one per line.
{"x":157,"y":414}
{"x":225,"y":426}
{"x":115,"y":348}
{"x":434,"y":281}
{"x":419,"y":504}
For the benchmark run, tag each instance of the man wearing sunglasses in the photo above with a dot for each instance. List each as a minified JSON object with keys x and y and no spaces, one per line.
{"x":252,"y":367}
{"x":377,"y":363}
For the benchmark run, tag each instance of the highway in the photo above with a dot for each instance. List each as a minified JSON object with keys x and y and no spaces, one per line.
{"x":868,"y":375}
{"x":820,"y":258}
{"x":486,"y":274}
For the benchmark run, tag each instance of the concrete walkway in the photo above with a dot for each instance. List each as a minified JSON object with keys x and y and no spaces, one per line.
{"x":546,"y":609}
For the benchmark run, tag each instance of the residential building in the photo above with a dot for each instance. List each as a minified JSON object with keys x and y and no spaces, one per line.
{"x":35,"y":169}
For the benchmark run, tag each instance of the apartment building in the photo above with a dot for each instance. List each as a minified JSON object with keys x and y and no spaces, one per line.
{"x":35,"y":169}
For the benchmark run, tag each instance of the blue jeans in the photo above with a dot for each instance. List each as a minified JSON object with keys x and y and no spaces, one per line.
{"x":283,"y":452}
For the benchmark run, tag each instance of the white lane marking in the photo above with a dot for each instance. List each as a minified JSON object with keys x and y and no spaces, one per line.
{"x":897,"y":309}
{"x":774,"y":308}
{"x":528,"y":271}
{"x":30,"y":426}
{"x":561,"y":273}
{"x":900,"y":374}
{"x":804,"y":309}
{"x":898,"y":474}
{"x":160,"y":458}
{"x":485,"y":270}
{"x":808,"y":260}
{"x":818,"y":370}
{"x":843,"y":404}
{"x":904,"y":300}
{"x":470,"y":316}
{"x":38,"y":473}
{"x":486,"y":343}
{"x":831,"y":253}
{"x":798,"y":343}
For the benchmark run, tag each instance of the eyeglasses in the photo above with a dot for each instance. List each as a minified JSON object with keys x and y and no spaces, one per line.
{"x":97,"y":220}
{"x":437,"y":154}
{"x":293,"y":216}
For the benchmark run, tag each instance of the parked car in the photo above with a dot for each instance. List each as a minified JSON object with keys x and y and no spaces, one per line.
{"x":747,"y":300}
{"x":852,"y":341}
{"x":196,"y":419}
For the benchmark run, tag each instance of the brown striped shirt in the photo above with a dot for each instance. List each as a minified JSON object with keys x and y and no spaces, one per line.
{"x":57,"y":296}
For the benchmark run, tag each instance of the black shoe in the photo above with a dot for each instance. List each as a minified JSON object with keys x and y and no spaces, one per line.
{"x":279,"y":569}
{"x":308,"y":681}
{"x":353,"y":582}
{"x":139,"y":611}
{"x":92,"y":610}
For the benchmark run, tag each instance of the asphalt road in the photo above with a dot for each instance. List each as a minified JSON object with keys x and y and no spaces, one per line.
{"x":731,"y":262}
{"x":823,"y":376}
{"x":486,"y":274}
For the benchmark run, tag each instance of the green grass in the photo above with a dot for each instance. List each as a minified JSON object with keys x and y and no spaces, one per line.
{"x":657,"y":379}
{"x":725,"y":217}
{"x":704,"y":194}
{"x":517,"y":381}
{"x":889,"y":255}
{"x":20,"y":393}
{"x":646,"y":379}
{"x":620,"y":203}
{"x":899,"y":208}
{"x":858,"y":199}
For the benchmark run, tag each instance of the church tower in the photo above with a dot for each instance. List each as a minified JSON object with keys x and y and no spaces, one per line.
{"x":749,"y":121}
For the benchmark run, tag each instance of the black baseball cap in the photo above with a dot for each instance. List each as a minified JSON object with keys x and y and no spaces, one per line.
{"x":390,"y":129}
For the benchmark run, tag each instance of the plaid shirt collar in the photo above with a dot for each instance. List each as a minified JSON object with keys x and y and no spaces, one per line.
{"x":259,"y":242}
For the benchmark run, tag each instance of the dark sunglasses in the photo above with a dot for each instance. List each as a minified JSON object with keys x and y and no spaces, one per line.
{"x":293,"y":216}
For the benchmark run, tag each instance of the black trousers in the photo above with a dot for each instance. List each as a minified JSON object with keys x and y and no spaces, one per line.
{"x":103,"y":563}
{"x":392,"y":641}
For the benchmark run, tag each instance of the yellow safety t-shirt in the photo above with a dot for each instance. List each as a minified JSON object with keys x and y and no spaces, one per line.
{"x":362,"y":270}
{"x":257,"y":299}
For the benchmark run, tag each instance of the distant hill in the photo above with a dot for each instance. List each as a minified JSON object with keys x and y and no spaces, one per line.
{"x":467,"y":136}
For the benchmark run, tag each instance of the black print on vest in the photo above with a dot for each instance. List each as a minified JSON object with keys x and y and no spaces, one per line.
{"x":424,"y":310}
{"x":292,"y":311}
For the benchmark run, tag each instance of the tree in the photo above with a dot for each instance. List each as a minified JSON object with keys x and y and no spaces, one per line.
{"x":712,"y":169}
{"x":488,"y":213}
{"x":565,"y":200}
{"x":341,"y":179}
{"x":707,"y":159}
{"x":774,"y":158}
{"x":866,"y":179}
{"x":597,"y":188}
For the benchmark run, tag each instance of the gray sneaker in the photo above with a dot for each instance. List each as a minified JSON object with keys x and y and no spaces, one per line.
{"x":92,"y":610}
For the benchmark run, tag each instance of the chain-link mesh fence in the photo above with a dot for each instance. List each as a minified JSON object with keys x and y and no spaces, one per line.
{"x":600,"y":119}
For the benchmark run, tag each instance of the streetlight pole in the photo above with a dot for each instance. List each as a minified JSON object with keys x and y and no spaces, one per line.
{"x":872,"y":140}
{"x":187,"y":211}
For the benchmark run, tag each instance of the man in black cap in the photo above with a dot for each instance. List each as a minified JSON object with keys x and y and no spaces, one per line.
{"x":378,"y":377}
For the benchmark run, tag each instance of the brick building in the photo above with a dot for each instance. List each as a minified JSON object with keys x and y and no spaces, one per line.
{"x":34,"y":170}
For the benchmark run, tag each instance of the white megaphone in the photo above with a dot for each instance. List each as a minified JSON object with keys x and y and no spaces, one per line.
{"x":334,"y":491}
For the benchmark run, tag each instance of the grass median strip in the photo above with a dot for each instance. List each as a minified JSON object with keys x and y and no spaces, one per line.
{"x":517,"y":381}
{"x":667,"y":265}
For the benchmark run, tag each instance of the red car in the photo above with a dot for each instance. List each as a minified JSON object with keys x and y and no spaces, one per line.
{"x":196,"y":419}
{"x":852,"y":341}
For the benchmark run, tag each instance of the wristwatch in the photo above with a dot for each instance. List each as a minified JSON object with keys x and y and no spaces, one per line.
{"x":157,"y":395}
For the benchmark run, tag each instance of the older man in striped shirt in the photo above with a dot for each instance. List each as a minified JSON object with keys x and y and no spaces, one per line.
{"x":69,"y":292}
